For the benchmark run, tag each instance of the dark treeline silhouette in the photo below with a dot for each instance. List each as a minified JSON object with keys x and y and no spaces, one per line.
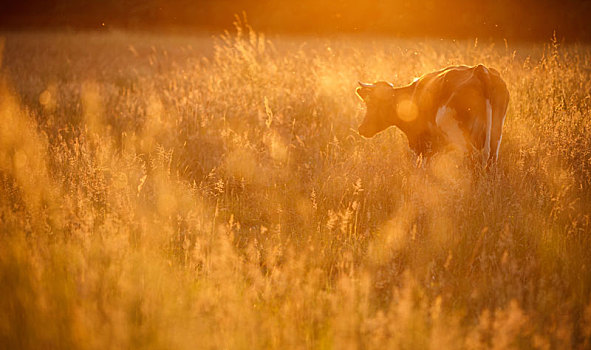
{"x":528,"y":19}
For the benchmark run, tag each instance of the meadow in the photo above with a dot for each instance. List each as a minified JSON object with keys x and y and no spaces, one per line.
{"x":211,"y":192}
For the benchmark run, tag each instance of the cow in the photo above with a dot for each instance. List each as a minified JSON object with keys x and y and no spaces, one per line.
{"x":459,"y":107}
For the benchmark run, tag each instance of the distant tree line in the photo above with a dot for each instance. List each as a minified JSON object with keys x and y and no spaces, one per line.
{"x":527,"y":19}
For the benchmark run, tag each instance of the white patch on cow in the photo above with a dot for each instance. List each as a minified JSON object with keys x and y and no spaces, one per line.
{"x":486,"y":150}
{"x":446,"y":121}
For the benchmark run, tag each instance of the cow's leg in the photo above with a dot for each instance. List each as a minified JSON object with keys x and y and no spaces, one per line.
{"x":486,"y":149}
{"x":477,"y":119}
{"x":499,"y":113}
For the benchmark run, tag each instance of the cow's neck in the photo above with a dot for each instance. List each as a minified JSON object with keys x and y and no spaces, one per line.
{"x":417,"y":130}
{"x":410,"y":128}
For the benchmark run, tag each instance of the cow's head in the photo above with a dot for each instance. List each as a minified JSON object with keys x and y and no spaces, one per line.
{"x":379,"y":100}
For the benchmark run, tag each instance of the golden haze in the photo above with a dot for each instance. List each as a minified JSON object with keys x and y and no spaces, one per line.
{"x":166,"y":192}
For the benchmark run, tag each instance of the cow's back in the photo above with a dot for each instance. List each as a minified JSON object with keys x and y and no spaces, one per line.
{"x":477,"y":96}
{"x":436,"y":88}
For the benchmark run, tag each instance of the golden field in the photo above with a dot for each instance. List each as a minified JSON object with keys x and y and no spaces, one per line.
{"x":178,"y":192}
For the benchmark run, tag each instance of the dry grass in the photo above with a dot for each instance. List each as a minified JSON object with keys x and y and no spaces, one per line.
{"x":169,"y":193}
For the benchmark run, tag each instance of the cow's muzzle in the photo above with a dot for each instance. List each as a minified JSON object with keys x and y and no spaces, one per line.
{"x":365,"y":131}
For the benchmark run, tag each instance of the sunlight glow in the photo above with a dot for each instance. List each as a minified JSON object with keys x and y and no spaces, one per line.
{"x":407,"y":110}
{"x":154,"y":196}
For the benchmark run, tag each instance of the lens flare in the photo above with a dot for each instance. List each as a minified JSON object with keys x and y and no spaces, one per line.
{"x":407,"y":110}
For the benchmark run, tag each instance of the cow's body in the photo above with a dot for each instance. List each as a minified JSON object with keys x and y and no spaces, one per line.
{"x":460,"y":105}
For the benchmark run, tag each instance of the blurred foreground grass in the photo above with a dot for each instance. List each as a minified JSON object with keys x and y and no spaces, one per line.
{"x":199,"y":193}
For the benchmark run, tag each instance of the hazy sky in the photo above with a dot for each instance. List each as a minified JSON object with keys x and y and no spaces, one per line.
{"x":454,"y":18}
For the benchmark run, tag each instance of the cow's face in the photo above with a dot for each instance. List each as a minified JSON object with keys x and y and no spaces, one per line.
{"x":379,"y":100}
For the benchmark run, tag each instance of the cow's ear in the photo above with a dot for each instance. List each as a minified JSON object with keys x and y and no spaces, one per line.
{"x":363,"y":92}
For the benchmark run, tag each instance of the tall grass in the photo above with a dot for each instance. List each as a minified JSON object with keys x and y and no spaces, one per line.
{"x":211,"y":193}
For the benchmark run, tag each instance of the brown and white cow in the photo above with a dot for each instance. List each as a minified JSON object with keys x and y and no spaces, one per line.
{"x":460,"y":105}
